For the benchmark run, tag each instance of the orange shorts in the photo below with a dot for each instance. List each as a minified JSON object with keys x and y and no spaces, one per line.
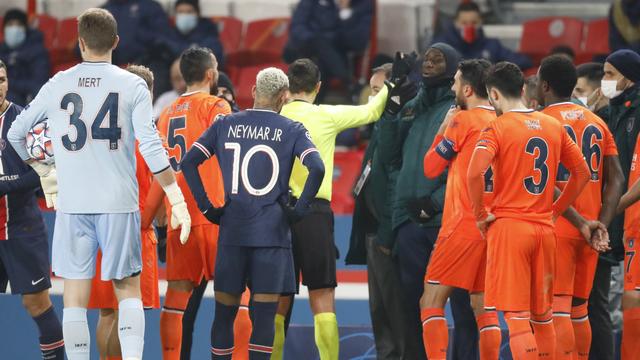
{"x":520,"y":266}
{"x":575,"y":267}
{"x":631,"y":262}
{"x":102,"y":294}
{"x":195,"y":259}
{"x":459,"y":260}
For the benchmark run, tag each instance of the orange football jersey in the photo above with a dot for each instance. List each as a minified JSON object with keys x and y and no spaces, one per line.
{"x":181,"y":124}
{"x":462,"y":133}
{"x":144,"y":177}
{"x":593,"y":137}
{"x":632,"y":213}
{"x":527,"y":147}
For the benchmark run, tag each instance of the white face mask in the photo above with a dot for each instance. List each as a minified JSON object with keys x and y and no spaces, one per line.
{"x":14,"y":35}
{"x":186,"y":22}
{"x":583,"y":100}
{"x":609,"y":88}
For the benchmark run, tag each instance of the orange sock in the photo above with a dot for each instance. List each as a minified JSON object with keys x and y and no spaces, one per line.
{"x":490,"y":335}
{"x":565,"y":339}
{"x":545,"y":335}
{"x":435,"y":333}
{"x":631,"y":334}
{"x":521,"y":339}
{"x":241,"y":334}
{"x":581,"y":330}
{"x":171,"y":323}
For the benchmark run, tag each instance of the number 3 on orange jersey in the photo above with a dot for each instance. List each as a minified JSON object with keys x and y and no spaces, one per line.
{"x":540,"y":165}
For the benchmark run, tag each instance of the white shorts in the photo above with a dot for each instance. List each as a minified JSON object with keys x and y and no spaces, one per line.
{"x":76,"y":239}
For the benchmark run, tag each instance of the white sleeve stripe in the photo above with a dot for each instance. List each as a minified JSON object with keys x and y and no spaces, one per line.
{"x":203,"y":149}
{"x":307,"y":152}
{"x":481,"y":147}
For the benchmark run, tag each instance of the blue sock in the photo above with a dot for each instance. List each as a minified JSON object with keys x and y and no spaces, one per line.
{"x":262,"y":316}
{"x":222,"y":331}
{"x":51,"y":341}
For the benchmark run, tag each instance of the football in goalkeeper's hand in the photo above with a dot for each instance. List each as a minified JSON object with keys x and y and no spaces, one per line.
{"x":39,"y":144}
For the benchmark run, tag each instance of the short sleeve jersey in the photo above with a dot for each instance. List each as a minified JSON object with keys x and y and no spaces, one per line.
{"x":462,"y":135}
{"x":256,"y":150}
{"x":595,"y":141}
{"x":632,"y":213}
{"x":527,"y":147}
{"x":181,"y":124}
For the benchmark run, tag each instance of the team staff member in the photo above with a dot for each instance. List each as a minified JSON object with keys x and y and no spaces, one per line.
{"x":416,"y":201}
{"x":370,"y":239}
{"x":620,"y":84}
{"x":313,"y":245}
{"x":24,"y":249}
{"x":575,"y":259}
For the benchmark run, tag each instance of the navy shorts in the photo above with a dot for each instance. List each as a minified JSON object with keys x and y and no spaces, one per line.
{"x":24,"y":262}
{"x":266,"y":270}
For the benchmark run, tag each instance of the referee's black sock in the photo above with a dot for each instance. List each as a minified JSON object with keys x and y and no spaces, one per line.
{"x":51,"y":342}
{"x":262,"y":317}
{"x":222,"y":331}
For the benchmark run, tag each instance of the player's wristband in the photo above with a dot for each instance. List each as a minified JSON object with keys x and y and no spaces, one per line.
{"x":174,"y":194}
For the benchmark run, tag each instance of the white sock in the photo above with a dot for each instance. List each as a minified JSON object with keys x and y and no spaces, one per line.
{"x":75,"y":330}
{"x":131,"y":328}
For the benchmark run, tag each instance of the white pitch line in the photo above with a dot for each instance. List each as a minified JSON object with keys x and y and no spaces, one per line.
{"x":346,"y":291}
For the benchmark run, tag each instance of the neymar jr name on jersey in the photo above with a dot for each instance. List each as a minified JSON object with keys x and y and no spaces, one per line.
{"x":252,"y":132}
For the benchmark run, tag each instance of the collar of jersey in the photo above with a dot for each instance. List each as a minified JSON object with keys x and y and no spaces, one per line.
{"x":490,"y":108}
{"x":96,"y":62}
{"x":561,"y":103}
{"x":522,"y":110}
{"x":7,"y":109}
{"x":263,"y":110}
{"x":191,"y":93}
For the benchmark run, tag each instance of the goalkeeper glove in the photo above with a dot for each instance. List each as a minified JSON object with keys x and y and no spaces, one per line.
{"x":179,"y":213}
{"x":48,"y":180}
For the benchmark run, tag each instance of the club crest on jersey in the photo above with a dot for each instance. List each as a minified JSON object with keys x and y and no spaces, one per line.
{"x":533,"y":124}
{"x":572,"y":114}
{"x":631,"y":242}
{"x":630,"y":122}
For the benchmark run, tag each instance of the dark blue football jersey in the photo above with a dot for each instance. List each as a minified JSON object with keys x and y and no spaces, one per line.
{"x":255,"y":150}
{"x":19,"y":212}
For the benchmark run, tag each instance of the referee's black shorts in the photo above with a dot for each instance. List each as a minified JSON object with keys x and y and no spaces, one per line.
{"x":314,"y":250}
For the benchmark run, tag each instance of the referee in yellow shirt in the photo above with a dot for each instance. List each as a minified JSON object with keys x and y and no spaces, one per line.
{"x":313,"y":248}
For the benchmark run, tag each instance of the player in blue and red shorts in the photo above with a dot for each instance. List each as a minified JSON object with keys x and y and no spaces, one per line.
{"x":255,"y":150}
{"x":24,"y":249}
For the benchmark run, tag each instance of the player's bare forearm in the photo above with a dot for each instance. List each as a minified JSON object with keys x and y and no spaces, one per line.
{"x":629,"y":198}
{"x":613,"y":188}
{"x":165,"y":177}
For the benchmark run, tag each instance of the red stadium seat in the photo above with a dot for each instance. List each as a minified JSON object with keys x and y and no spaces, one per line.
{"x":346,"y":169}
{"x":597,"y":38}
{"x":49,"y":27}
{"x":230,"y":30}
{"x":62,"y":66}
{"x":246,"y":78}
{"x":267,"y":35}
{"x":66,"y":42}
{"x":539,"y":36}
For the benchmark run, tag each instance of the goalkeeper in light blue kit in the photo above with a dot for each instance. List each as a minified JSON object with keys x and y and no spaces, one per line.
{"x":96,"y":112}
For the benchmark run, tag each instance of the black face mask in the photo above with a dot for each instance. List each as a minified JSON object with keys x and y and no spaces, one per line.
{"x":430,"y":82}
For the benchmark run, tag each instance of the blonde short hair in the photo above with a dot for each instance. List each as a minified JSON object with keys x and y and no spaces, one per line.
{"x":271,"y":82}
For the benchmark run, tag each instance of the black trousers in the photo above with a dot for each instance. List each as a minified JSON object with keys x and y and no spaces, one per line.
{"x":414,"y":245}
{"x":599,"y":317}
{"x":386,"y":303}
